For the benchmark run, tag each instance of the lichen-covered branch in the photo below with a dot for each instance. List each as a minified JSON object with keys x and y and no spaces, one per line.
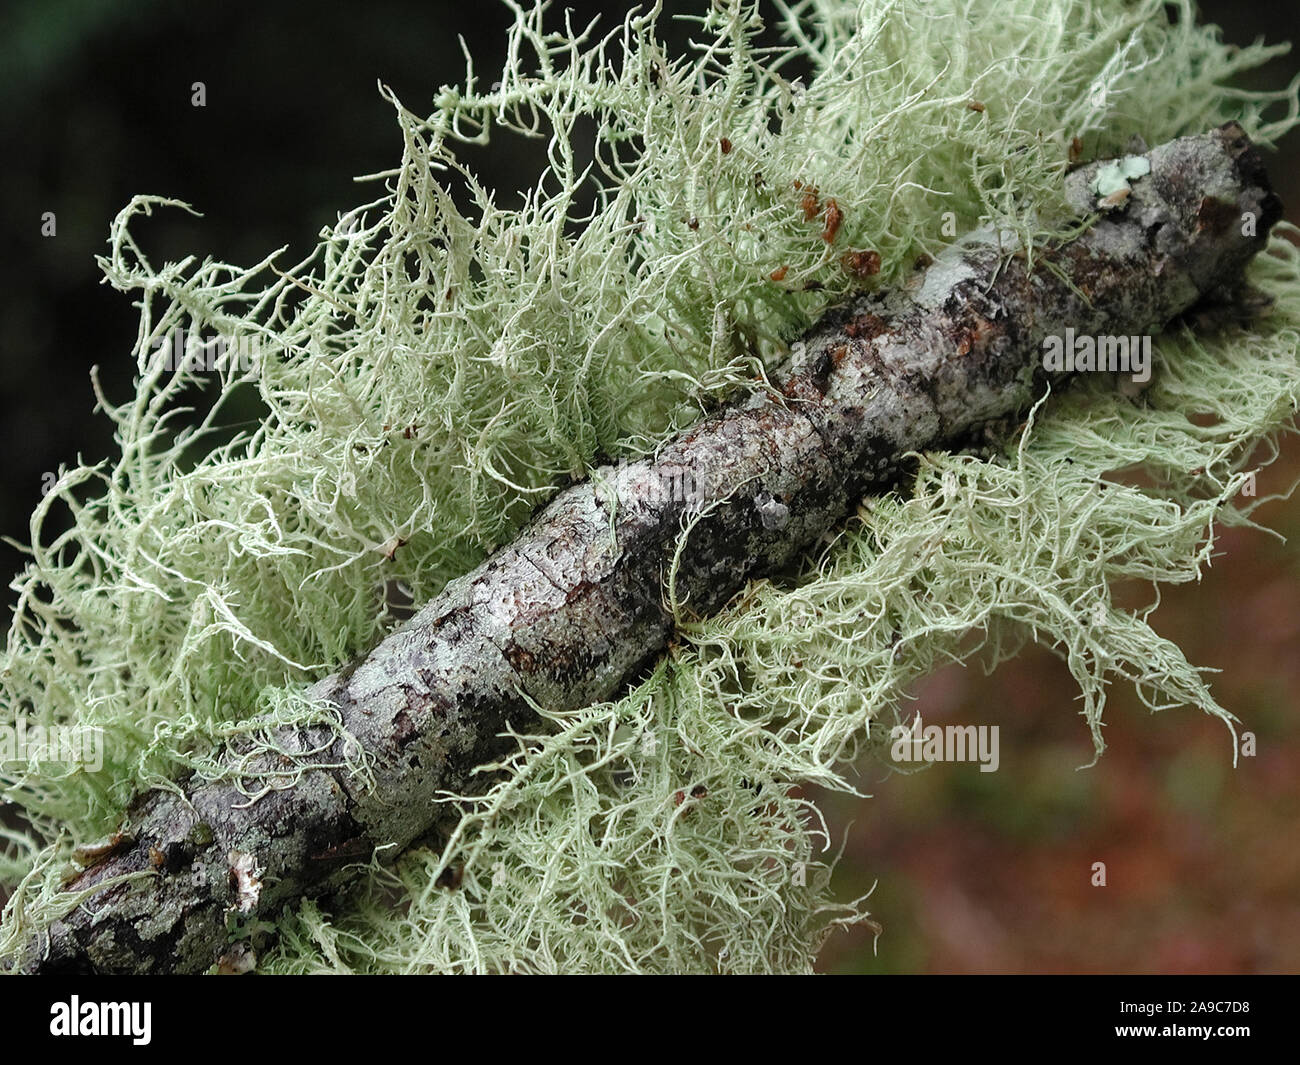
{"x":588,"y":594}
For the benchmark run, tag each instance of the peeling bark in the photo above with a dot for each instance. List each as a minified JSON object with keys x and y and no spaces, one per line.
{"x":575,"y":607}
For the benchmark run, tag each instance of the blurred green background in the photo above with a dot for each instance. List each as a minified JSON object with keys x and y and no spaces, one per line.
{"x":974,"y":872}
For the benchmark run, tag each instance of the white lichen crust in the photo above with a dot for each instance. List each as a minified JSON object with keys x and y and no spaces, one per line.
{"x":589,"y":593}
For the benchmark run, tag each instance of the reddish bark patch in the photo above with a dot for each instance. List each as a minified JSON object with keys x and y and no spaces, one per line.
{"x":865,"y":327}
{"x":404,"y":730}
{"x":1216,"y":215}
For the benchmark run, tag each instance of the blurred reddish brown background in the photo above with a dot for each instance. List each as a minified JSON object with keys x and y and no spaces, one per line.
{"x":991,"y":872}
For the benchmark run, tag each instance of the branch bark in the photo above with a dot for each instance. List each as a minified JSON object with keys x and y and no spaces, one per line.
{"x":571,"y":610}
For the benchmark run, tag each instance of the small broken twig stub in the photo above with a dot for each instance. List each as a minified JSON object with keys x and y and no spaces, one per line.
{"x":585,"y":596}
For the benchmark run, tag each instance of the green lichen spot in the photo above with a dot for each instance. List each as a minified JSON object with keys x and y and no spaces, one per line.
{"x":1116,"y":175}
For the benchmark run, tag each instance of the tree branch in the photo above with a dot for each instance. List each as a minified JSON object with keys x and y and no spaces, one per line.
{"x":583,"y":598}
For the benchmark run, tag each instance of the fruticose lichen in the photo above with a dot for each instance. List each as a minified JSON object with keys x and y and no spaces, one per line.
{"x":429,"y":374}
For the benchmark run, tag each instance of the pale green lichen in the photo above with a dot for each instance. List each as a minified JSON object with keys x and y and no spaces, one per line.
{"x":1115,"y":176}
{"x":428,"y":375}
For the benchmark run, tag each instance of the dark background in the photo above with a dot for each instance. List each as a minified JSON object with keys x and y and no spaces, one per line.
{"x":977,"y":871}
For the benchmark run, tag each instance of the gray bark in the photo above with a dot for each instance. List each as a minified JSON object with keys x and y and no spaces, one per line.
{"x":575,"y":606}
